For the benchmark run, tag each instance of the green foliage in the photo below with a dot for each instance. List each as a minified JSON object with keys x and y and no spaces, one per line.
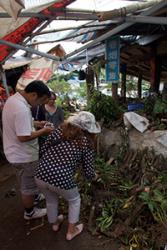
{"x":80,"y":92}
{"x":155,"y":106}
{"x":130,"y":200}
{"x":149,"y":105}
{"x":107,"y":174}
{"x":104,"y":108}
{"x":107,"y":215}
{"x":145,"y":85}
{"x":157,"y":204}
{"x":160,"y":107}
{"x":59,"y":84}
{"x":61,"y":77}
{"x":131,"y":85}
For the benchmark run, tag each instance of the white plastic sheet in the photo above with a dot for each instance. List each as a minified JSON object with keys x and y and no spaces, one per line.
{"x":39,"y":69}
{"x":137,"y":121}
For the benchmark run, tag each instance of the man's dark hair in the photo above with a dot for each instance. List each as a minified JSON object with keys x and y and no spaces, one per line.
{"x":38,"y":87}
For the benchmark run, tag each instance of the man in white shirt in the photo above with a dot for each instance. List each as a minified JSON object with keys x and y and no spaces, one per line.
{"x":20,"y":140}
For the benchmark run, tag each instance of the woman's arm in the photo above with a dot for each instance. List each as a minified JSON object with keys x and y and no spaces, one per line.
{"x":88,"y":163}
{"x":51,"y":139}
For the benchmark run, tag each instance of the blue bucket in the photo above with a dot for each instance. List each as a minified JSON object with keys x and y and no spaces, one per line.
{"x":135,"y":106}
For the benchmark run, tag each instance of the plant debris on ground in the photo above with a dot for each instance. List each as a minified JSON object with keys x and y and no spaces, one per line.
{"x":128,"y":201}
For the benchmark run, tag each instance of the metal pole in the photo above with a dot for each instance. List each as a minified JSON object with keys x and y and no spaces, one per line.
{"x":33,"y":51}
{"x":74,"y":28}
{"x":148,"y":19}
{"x":4,"y":81}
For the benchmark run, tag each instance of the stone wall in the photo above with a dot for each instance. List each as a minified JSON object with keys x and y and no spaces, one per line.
{"x":110,"y":141}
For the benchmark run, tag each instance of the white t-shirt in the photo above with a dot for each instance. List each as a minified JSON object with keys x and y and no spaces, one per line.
{"x":17,"y":121}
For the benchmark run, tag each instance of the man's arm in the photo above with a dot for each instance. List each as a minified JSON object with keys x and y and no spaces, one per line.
{"x":35,"y":134}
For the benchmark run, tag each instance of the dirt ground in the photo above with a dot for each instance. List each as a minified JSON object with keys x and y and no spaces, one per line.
{"x":17,"y":234}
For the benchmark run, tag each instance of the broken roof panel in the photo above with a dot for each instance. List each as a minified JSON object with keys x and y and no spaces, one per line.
{"x":22,"y":31}
{"x":101,"y":31}
{"x":9,"y":24}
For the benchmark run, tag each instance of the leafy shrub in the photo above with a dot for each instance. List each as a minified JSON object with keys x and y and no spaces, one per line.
{"x":160,"y":107}
{"x":104,"y":108}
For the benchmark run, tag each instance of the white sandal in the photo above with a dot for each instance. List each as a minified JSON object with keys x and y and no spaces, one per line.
{"x":59,"y":221}
{"x":70,"y":236}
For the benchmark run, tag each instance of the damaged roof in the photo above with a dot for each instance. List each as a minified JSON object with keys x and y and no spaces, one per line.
{"x":140,"y":27}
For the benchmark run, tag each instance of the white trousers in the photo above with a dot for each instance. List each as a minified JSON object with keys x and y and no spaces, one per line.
{"x":52,"y":194}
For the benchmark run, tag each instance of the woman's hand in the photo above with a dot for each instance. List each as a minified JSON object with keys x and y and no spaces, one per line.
{"x":96,"y":177}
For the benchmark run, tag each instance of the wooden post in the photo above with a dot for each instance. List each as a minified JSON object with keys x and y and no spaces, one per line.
{"x":155,"y":69}
{"x":115,"y":91}
{"x":139,"y":85}
{"x":123,"y":82}
{"x":158,"y":74}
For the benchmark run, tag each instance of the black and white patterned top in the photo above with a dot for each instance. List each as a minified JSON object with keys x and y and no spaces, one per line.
{"x":61,"y":158}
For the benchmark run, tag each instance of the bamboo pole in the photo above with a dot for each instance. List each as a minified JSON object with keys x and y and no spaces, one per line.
{"x":72,"y":28}
{"x":121,"y":12}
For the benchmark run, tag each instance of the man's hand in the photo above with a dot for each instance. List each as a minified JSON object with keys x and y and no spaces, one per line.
{"x":46,"y":130}
{"x":39,"y":124}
